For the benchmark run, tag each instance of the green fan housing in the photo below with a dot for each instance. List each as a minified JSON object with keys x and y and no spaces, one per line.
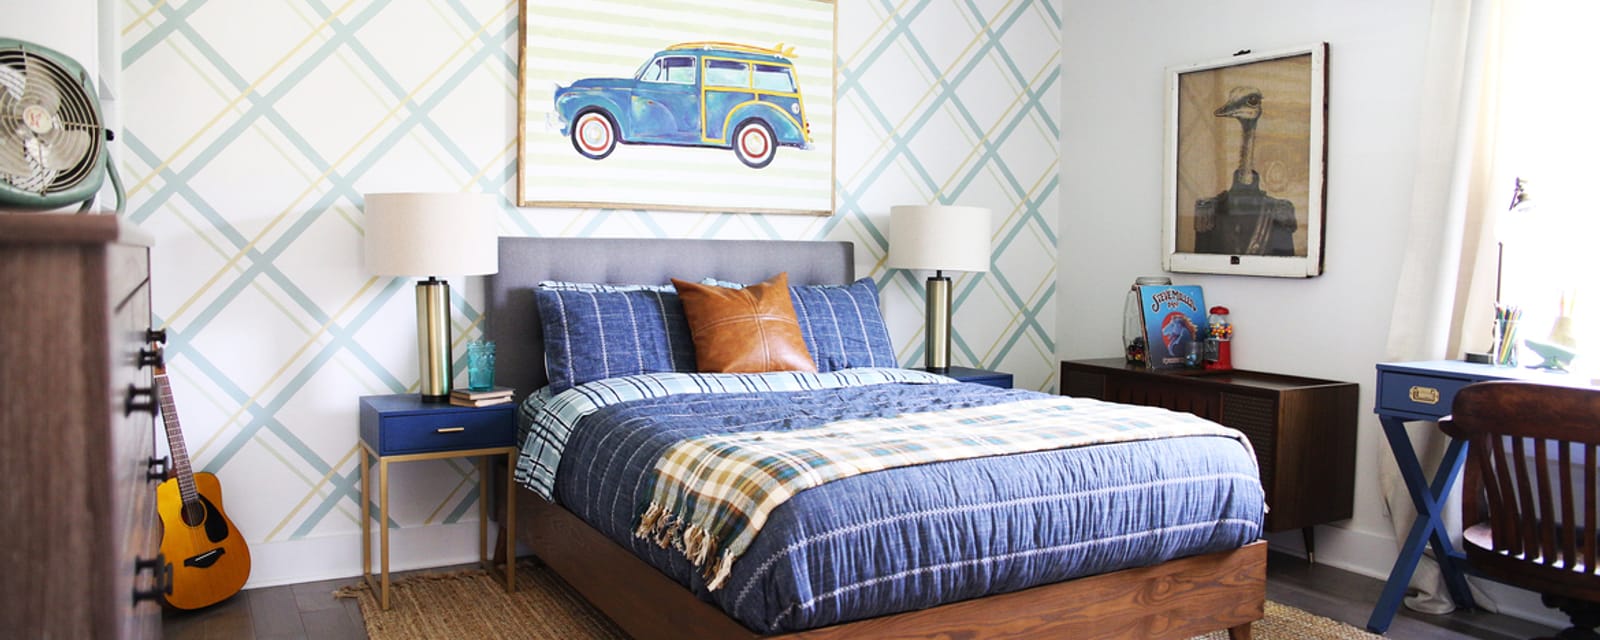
{"x":52,"y":136}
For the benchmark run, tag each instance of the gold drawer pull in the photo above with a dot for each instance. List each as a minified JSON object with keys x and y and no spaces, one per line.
{"x":1425,"y":395}
{"x":449,"y":429}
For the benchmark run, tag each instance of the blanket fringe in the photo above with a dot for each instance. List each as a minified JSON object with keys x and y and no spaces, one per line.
{"x":696,"y":544}
{"x":657,"y":525}
{"x":718,"y":574}
{"x":699,"y":546}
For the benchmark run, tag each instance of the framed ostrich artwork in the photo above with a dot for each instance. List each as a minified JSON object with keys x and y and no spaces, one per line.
{"x":677,"y":105}
{"x":1245,"y":164}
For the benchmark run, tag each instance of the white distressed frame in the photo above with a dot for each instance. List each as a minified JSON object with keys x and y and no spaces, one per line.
{"x":1278,"y":266}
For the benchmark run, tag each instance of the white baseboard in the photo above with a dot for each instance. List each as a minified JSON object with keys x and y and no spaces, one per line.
{"x":325,"y":558}
{"x":1373,"y":554}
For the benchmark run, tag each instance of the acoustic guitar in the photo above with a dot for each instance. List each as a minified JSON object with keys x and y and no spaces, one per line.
{"x":210,"y":561}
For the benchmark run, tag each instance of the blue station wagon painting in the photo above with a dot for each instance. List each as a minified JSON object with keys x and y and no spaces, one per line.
{"x":694,"y":94}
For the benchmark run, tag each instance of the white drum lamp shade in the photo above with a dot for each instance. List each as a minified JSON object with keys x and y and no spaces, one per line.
{"x":432,"y":234}
{"x":939,"y":238}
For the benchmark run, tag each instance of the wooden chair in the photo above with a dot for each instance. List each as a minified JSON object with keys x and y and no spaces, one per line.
{"x":1534,"y":449}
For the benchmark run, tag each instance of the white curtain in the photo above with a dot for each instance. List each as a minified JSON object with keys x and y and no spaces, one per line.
{"x":1445,"y":250}
{"x":1505,"y":95}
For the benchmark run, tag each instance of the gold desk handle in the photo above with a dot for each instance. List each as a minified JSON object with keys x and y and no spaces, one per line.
{"x":1425,"y":395}
{"x":449,"y":429}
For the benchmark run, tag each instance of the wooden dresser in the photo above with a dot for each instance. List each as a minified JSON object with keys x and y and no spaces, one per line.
{"x":1303,"y":429}
{"x":77,"y":430}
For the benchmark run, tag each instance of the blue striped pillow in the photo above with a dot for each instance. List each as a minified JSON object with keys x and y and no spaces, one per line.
{"x":842,"y":324}
{"x":606,"y":331}
{"x":563,"y":285}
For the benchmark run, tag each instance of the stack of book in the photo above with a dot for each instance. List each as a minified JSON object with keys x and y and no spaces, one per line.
{"x":470,"y":398}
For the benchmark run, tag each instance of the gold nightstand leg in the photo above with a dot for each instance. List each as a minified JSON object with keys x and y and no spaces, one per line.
{"x":383,"y":529}
{"x":483,"y":513}
{"x":510,"y":498}
{"x":366,"y":518}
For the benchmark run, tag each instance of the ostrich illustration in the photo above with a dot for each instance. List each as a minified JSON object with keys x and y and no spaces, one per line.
{"x":1244,"y":220}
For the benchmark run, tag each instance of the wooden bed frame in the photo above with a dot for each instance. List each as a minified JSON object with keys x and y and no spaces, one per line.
{"x":1176,"y":599}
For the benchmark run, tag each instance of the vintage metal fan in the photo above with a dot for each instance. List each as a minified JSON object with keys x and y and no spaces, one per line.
{"x":52,"y":137}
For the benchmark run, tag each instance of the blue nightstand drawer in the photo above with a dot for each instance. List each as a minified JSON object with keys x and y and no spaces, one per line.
{"x":977,"y":376}
{"x":401,"y":424}
{"x":448,"y":431}
{"x":1418,"y":394}
{"x":1002,"y":380}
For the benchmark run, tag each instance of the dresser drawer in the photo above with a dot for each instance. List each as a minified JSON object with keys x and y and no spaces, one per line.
{"x":131,"y":433}
{"x":1420,"y":394}
{"x":447,"y":431}
{"x":127,"y":269}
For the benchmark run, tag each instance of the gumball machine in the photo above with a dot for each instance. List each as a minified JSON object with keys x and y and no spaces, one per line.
{"x":1219,"y":338}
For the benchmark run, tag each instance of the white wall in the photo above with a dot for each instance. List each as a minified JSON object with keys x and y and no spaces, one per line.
{"x":1333,"y":326}
{"x":70,"y":27}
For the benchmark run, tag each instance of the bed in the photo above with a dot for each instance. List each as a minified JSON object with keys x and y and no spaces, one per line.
{"x":650,"y":597}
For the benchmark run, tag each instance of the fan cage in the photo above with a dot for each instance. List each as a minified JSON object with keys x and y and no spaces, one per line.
{"x":75,"y":112}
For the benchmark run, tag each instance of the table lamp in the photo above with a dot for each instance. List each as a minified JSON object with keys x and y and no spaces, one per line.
{"x":432,"y":234}
{"x":939,"y":238}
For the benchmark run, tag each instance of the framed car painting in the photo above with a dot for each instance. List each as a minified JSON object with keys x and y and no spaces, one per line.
{"x":677,"y":105}
{"x":1245,"y":164}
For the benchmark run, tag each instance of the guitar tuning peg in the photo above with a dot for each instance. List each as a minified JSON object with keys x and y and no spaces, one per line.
{"x":149,"y":358}
{"x":156,"y":335}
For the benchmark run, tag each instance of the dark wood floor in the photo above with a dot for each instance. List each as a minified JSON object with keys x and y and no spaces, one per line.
{"x":310,"y":611}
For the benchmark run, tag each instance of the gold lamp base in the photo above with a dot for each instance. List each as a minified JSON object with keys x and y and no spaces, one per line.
{"x":938,"y":322}
{"x":433,"y":339}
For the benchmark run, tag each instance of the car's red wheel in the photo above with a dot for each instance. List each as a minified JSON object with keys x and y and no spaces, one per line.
{"x":754,"y":144}
{"x":594,"y":134}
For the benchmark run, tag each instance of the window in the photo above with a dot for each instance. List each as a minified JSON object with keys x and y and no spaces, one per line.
{"x":774,"y":78}
{"x":671,"y":69}
{"x":727,"y":73}
{"x":1546,"y":134}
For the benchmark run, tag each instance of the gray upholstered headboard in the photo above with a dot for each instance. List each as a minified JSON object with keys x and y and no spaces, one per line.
{"x":512,"y":316}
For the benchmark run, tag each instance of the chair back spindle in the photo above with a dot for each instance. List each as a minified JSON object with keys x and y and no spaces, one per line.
{"x":1535,"y":449}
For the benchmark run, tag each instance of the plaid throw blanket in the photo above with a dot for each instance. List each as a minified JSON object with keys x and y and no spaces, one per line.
{"x":711,"y":495}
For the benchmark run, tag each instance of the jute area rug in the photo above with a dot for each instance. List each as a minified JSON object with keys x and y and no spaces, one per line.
{"x":474,"y":604}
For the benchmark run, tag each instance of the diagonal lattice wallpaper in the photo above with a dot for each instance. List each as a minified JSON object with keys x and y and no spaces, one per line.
{"x":252,"y":129}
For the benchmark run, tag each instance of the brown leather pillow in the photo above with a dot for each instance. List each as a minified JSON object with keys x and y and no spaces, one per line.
{"x":749,"y":330}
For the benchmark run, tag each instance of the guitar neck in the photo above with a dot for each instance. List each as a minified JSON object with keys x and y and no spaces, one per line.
{"x":180,"y":453}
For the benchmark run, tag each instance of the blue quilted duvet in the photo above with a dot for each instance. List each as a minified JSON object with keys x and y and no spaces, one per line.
{"x":915,"y":537}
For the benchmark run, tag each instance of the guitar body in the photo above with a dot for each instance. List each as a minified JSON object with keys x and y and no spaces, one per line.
{"x":210,"y":561}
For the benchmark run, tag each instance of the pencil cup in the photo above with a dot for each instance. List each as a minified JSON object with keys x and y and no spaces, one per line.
{"x":480,"y":365}
{"x":1505,"y":342}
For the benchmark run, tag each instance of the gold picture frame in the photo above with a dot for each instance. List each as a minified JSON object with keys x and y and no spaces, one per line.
{"x":1246,"y":154}
{"x":659,"y":105}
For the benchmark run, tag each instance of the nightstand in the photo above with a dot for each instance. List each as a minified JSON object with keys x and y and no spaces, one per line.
{"x":977,"y":376}
{"x":402,"y":428}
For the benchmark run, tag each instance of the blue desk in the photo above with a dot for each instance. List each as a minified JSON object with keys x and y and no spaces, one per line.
{"x":1412,"y":391}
